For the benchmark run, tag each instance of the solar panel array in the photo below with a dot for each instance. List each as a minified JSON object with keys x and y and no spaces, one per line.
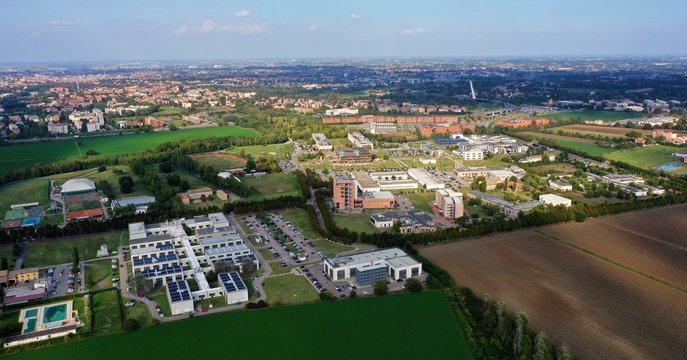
{"x":178,"y":291}
{"x":155,"y":259}
{"x":232,"y":281}
{"x":167,"y":270}
{"x":165,"y":246}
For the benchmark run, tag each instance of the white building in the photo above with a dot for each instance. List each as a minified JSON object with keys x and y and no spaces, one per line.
{"x":368,"y":268}
{"x":555,"y":200}
{"x":179,"y":297}
{"x":560,"y":185}
{"x":470,"y":154}
{"x":341,"y":112}
{"x":360,"y":140}
{"x":321,"y":142}
{"x":425,"y":179}
{"x":57,"y":128}
{"x":235,"y":290}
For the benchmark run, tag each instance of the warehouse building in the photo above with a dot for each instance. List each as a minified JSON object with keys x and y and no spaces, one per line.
{"x":368,"y":268}
{"x":555,"y":200}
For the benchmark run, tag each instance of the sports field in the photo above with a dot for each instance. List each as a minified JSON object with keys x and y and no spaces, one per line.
{"x":273,"y":185}
{"x":24,"y":155}
{"x":279,"y":151}
{"x":645,"y":157}
{"x":220,"y":161}
{"x":406,"y":326}
{"x":591,"y":115}
{"x":59,"y":251}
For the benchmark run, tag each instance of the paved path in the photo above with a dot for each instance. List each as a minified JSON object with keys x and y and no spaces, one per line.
{"x":22,"y":253}
{"x":257,"y":283}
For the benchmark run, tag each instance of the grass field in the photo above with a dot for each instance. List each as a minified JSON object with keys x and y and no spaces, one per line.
{"x":219,"y":161}
{"x":610,"y":288}
{"x":355,"y":222}
{"x":25,"y":155}
{"x":585,"y":145}
{"x":100,"y":273}
{"x":141,"y":313}
{"x":22,"y":192}
{"x":107,"y":317}
{"x":433,"y":333}
{"x":590,"y":115}
{"x":159,"y":295}
{"x":299,"y":218}
{"x":273,"y":185}
{"x":645,"y":157}
{"x":289,"y":289}
{"x":421,"y":200}
{"x":279,"y":151}
{"x":59,"y":251}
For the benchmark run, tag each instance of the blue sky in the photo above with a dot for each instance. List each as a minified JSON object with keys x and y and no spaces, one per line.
{"x":96,"y":30}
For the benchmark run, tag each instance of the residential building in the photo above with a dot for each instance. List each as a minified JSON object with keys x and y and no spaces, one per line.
{"x":470,"y":154}
{"x":449,"y":203}
{"x":154,"y":123}
{"x":364,"y":268}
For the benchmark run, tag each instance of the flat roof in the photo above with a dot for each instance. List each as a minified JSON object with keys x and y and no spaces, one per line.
{"x":178,"y":291}
{"x":136,"y":200}
{"x":220,"y":239}
{"x":369,"y":257}
{"x":379,"y":195}
{"x":231,"y":281}
{"x":422,"y":176}
{"x":227,"y":249}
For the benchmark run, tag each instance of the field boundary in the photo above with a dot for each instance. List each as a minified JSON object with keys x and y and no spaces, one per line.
{"x":611,"y":261}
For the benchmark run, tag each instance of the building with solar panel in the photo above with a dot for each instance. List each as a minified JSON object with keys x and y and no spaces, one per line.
{"x":370,"y":267}
{"x":166,"y":254}
{"x":235,"y":290}
{"x":179,"y":297}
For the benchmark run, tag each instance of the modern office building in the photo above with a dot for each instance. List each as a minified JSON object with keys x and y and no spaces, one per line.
{"x":235,"y":290}
{"x":425,"y":179}
{"x":165,"y":253}
{"x":409,"y":222}
{"x":449,"y":203}
{"x":360,"y":140}
{"x":366,"y":268}
{"x":354,"y":156}
{"x":345,"y":195}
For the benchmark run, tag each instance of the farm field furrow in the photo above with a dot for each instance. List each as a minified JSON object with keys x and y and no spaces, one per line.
{"x":600,"y":308}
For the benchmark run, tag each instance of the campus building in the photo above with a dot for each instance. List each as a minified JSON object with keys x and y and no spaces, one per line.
{"x":449,"y":203}
{"x":140,"y":203}
{"x":425,"y":179}
{"x":165,"y":253}
{"x":370,"y":267}
{"x":555,"y":200}
{"x":45,"y":322}
{"x":321,"y":142}
{"x":354,"y":156}
{"x":409,"y":222}
{"x":346,"y":197}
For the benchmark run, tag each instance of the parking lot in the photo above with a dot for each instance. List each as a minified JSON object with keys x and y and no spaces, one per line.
{"x":61,"y":281}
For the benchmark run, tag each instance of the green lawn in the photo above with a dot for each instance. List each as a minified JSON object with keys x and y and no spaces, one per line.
{"x":279,"y":151}
{"x":645,"y":157}
{"x":299,"y":218}
{"x":479,"y":210}
{"x":273,"y":185}
{"x":494,"y":161}
{"x":405,"y":326}
{"x":113,"y":179}
{"x":590,"y":115}
{"x":59,"y":251}
{"x":591,"y":149}
{"x":159,"y":295}
{"x":220,"y":163}
{"x":107,"y":312}
{"x":331,"y":249}
{"x":25,"y":155}
{"x":355,"y":222}
{"x":289,"y":289}
{"x":421,"y":200}
{"x":141,"y":313}
{"x":22,"y":192}
{"x":100,"y":273}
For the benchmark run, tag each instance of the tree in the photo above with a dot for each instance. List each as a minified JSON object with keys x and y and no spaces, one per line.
{"x":143,"y":284}
{"x":479,"y":184}
{"x":126,"y":184}
{"x":327,"y":296}
{"x":247,"y":266}
{"x":130,"y":324}
{"x":563,"y":353}
{"x":519,"y":333}
{"x":165,"y":167}
{"x":16,"y":250}
{"x":173,"y":179}
{"x":4,"y":265}
{"x":353,"y":294}
{"x":102,"y":168}
{"x":211,"y":276}
{"x":633,"y":134}
{"x":75,"y":260}
{"x":91,"y":152}
{"x":381,"y":288}
{"x":184,"y":185}
{"x":413,"y":285}
{"x":223,"y":267}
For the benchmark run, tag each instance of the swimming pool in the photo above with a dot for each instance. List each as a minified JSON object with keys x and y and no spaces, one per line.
{"x":54,"y":313}
{"x":30,"y":326}
{"x":31,"y":313}
{"x":669,"y":166}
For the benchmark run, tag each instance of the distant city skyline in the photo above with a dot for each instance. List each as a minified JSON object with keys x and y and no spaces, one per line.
{"x":155,"y":30}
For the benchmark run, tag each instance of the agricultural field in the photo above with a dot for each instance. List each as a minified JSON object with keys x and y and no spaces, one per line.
{"x":586,"y":145}
{"x":220,"y":162}
{"x":612,"y":287}
{"x":59,"y":250}
{"x":25,"y":155}
{"x":591,"y":115}
{"x":601,"y":130}
{"x":427,"y":315}
{"x":273,"y":185}
{"x":289,"y":289}
{"x":645,"y":157}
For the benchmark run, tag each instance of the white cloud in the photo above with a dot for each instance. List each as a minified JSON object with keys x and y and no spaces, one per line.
{"x":311,"y":28}
{"x":58,"y":22}
{"x":242,"y":13}
{"x":209,"y":26}
{"x":416,"y":31}
{"x":355,"y":16}
{"x":35,"y":34}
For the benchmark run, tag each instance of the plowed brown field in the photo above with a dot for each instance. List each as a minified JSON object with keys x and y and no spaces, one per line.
{"x":610,"y":288}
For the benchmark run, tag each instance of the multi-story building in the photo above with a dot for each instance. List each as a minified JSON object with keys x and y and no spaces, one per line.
{"x":449,"y":203}
{"x":354,"y":156}
{"x":368,"y":268}
{"x":321,"y":142}
{"x":345,"y":193}
{"x":409,"y":222}
{"x":360,"y":140}
{"x":470,"y":154}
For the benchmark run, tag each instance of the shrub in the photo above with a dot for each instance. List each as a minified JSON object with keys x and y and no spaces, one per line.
{"x":381,"y":288}
{"x":413,"y":285}
{"x":131,"y":325}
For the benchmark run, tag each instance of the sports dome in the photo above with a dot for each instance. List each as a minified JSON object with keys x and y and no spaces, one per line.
{"x":78,"y":186}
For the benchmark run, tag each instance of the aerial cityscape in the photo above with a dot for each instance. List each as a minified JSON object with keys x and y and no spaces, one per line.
{"x":307,"y":180}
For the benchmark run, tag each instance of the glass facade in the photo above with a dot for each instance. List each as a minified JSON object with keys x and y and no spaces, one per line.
{"x":371,"y":275}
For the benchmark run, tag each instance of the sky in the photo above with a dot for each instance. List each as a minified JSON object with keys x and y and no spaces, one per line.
{"x":138,"y":30}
